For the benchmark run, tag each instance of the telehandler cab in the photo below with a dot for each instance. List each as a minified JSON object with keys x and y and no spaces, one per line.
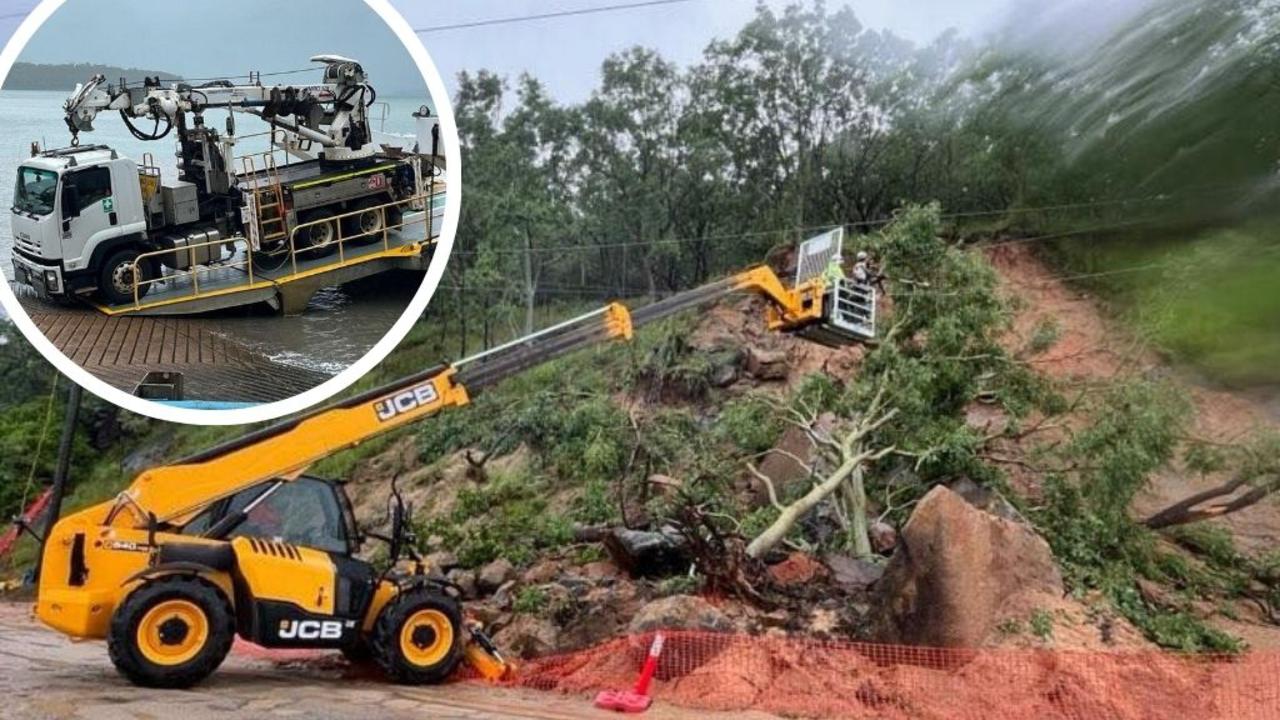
{"x":239,"y":540}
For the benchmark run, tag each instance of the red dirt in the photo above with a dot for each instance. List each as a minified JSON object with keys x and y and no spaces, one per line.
{"x":1092,"y":348}
{"x":798,"y":677}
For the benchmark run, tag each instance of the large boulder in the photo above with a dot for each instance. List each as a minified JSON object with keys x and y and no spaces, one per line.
{"x":495,"y":575}
{"x":679,"y":612}
{"x":765,"y":364}
{"x":528,"y":636}
{"x":786,"y":465}
{"x":958,"y":572}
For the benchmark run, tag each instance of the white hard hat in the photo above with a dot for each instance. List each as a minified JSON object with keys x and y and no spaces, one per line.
{"x":862,"y":256}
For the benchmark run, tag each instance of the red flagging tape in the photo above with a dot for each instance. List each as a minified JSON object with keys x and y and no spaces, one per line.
{"x":839,"y":679}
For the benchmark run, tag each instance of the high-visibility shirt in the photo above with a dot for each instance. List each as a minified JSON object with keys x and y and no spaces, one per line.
{"x":833,"y":272}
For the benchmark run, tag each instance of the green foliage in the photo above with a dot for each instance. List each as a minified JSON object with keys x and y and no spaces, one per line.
{"x":664,"y":360}
{"x":596,"y":505}
{"x":1044,"y":336}
{"x":750,"y":423}
{"x":679,"y":585}
{"x":1041,"y":624}
{"x":507,"y":517}
{"x":530,"y":600}
{"x":1134,"y":430}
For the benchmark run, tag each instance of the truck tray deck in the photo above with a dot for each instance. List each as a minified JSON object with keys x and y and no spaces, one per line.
{"x":290,"y":286}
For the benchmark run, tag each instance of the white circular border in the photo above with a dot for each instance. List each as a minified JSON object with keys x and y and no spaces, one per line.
{"x":358,"y":369}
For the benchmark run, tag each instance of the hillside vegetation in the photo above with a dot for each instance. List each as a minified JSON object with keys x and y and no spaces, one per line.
{"x":667,"y":177}
{"x":65,"y":76}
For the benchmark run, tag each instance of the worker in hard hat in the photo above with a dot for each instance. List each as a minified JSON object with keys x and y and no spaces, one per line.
{"x":862,"y":268}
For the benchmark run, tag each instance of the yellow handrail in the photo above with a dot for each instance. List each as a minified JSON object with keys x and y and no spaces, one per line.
{"x":340,"y":240}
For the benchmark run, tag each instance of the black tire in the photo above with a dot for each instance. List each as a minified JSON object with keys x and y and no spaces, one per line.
{"x":125,"y":646}
{"x":366,"y":228}
{"x":320,"y":240}
{"x":115,"y":278}
{"x":386,"y":639}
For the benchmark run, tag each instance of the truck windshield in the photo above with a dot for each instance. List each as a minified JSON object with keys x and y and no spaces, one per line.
{"x":35,"y":190}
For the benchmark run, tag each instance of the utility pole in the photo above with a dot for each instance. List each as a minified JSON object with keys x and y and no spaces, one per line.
{"x":60,"y":471}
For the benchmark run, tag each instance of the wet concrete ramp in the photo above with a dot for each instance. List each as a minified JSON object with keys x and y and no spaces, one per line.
{"x":122,"y":350}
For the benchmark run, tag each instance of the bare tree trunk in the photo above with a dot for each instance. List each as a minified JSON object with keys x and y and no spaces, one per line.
{"x":855,"y":500}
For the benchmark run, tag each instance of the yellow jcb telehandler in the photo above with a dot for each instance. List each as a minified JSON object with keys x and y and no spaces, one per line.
{"x":239,"y":540}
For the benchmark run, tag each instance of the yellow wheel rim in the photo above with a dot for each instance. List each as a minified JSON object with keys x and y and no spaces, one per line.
{"x":426,"y":637}
{"x":172,"y":632}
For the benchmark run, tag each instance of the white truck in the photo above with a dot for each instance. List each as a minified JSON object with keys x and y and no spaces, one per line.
{"x":83,"y":215}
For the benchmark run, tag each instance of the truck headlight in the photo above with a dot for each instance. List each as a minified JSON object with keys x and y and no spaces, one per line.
{"x":51,"y":279}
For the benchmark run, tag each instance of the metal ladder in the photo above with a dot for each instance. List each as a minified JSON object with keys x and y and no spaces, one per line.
{"x":267,"y":196}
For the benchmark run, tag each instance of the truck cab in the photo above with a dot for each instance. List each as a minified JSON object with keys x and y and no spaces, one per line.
{"x":78,"y":221}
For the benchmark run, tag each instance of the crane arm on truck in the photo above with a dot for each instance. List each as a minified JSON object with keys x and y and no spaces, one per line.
{"x":333,"y":112}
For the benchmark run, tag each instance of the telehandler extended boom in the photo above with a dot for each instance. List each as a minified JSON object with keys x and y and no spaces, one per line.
{"x":239,"y":540}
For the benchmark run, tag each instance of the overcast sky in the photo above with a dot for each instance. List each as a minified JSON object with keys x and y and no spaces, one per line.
{"x":564,"y":52}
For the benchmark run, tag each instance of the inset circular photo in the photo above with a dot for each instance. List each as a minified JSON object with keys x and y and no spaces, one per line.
{"x":221,"y":217}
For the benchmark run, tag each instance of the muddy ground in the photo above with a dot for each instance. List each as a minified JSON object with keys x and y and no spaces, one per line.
{"x":44,"y":676}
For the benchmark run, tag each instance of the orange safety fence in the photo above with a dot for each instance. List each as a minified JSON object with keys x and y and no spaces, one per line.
{"x":802,"y":677}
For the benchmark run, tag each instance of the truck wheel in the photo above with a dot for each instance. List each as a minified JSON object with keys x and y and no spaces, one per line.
{"x":115,"y":279}
{"x":319,"y":240}
{"x":366,"y":228}
{"x":418,"y":637}
{"x":171,"y":633}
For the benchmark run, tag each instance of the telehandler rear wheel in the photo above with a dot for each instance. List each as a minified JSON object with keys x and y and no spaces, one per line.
{"x":171,"y":633}
{"x":418,"y":637}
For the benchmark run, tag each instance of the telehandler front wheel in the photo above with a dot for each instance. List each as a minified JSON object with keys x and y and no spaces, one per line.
{"x":418,"y":637}
{"x":171,"y":633}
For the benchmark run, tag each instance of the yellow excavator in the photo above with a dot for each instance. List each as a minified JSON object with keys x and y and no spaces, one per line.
{"x":239,"y":540}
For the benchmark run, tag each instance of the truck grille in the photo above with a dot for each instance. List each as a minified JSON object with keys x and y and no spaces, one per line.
{"x":29,"y":246}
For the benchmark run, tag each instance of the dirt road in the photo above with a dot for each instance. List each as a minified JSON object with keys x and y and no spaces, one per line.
{"x":44,"y":676}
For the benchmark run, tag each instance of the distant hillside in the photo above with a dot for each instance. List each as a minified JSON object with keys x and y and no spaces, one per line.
{"x":33,"y":76}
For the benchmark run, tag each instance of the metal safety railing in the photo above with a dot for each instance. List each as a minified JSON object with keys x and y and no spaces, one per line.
{"x":335,"y":227}
{"x":243,"y":255}
{"x":852,"y":307}
{"x":193,"y":266}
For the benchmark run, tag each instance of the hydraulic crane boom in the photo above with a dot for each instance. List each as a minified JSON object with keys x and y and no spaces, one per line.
{"x":285,"y":450}
{"x":174,"y":492}
{"x":332,"y":113}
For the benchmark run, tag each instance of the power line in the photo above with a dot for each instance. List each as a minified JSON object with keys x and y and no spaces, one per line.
{"x":12,"y":16}
{"x":595,"y":247}
{"x":546,"y":16}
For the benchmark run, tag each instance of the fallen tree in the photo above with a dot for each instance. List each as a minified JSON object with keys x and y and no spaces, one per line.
{"x":1257,"y":478}
{"x":849,"y":455}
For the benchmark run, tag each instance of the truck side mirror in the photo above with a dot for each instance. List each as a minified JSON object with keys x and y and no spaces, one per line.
{"x":70,"y":201}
